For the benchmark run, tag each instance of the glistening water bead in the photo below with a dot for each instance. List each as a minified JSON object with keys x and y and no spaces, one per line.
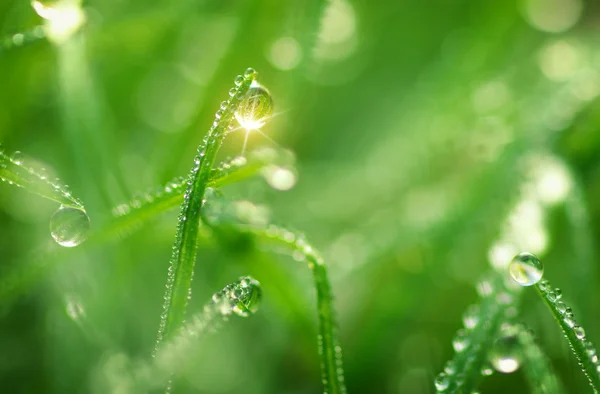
{"x":526,"y":269}
{"x":505,"y":355}
{"x":255,"y":108}
{"x":69,"y":226}
{"x":247,"y":297}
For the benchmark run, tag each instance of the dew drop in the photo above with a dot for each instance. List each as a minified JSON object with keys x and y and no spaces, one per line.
{"x":442,"y":382}
{"x":63,"y":18}
{"x":558,"y":293}
{"x":569,"y":321}
{"x":471,"y":316}
{"x":17,"y":157}
{"x":487,"y":371}
{"x":69,"y":226}
{"x":255,"y":107}
{"x":579,"y":332}
{"x":248,"y":299}
{"x":505,"y":355}
{"x":561,"y":307}
{"x":460,"y":341}
{"x":239,"y":80}
{"x":526,"y":269}
{"x":250,"y":72}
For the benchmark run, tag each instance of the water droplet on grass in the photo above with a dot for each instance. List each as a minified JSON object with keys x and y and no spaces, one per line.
{"x":526,"y":269}
{"x":247,"y":297}
{"x":69,"y":226}
{"x":255,"y":108}
{"x":460,"y":341}
{"x":471,"y":316}
{"x":17,"y":157}
{"x":505,"y":355}
{"x":442,"y":382}
{"x":579,"y":332}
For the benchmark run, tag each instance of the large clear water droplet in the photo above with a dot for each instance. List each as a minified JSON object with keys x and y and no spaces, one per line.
{"x":526,"y":269}
{"x":69,"y":226}
{"x":247,"y":297}
{"x":255,"y":108}
{"x":63,"y":18}
{"x":505,"y":355}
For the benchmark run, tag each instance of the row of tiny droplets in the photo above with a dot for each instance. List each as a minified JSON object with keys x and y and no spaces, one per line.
{"x":554,"y":296}
{"x":174,"y":187}
{"x":472,"y":321}
{"x":19,"y":39}
{"x":17,"y":159}
{"x":223,"y":119}
{"x":302,"y":251}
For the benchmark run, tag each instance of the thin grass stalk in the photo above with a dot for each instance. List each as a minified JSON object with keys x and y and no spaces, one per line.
{"x":181,"y":269}
{"x":582,"y":348}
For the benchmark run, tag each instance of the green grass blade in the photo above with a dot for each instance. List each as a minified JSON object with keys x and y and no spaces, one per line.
{"x":584,"y":350}
{"x":219,"y":213}
{"x":13,"y":171}
{"x":181,"y":269}
{"x":463,"y":373}
{"x":330,"y":349}
{"x":538,"y":370}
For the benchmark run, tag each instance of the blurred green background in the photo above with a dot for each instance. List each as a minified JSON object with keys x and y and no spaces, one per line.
{"x":418,"y":128}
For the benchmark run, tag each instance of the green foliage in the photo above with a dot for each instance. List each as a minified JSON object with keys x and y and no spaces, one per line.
{"x":584,"y":350}
{"x":432,"y":139}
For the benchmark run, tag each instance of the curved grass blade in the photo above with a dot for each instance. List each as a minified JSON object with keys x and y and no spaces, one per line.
{"x":584,"y":350}
{"x":183,"y":257}
{"x":483,"y":322}
{"x":217,"y":214}
{"x":130,"y":216}
{"x":13,"y":171}
{"x":538,"y":371}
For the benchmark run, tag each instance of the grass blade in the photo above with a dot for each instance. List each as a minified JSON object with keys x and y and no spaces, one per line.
{"x":483,"y":322}
{"x":13,"y":171}
{"x":584,"y":350}
{"x":183,"y":258}
{"x":220,"y":214}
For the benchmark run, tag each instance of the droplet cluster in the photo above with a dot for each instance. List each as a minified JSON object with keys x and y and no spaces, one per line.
{"x":19,"y":39}
{"x":241,"y":298}
{"x":476,"y":336}
{"x":582,"y":347}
